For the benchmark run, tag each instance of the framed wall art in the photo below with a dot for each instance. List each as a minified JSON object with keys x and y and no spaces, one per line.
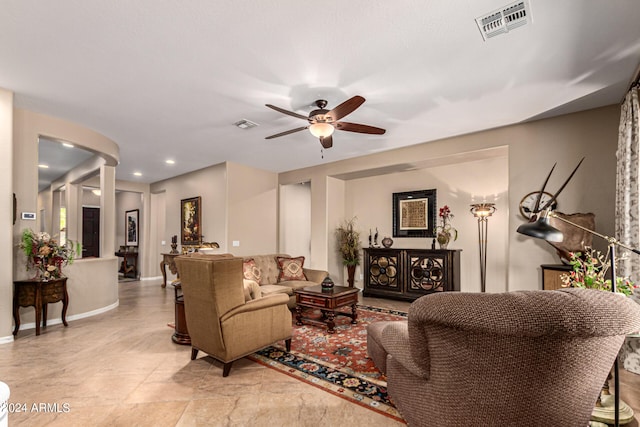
{"x":132,"y":233}
{"x":190,"y":221}
{"x":414,"y":213}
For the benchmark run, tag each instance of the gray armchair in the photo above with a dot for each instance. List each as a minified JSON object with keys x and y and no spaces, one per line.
{"x":527,"y":358}
{"x":220,"y":320}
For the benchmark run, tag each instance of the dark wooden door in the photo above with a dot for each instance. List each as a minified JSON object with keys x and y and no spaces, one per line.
{"x":90,"y":232}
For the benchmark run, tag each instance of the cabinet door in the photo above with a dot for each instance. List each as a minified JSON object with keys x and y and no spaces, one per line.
{"x":384,"y":271}
{"x":427,"y":272}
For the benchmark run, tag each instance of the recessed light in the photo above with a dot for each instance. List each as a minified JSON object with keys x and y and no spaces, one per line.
{"x":137,"y":173}
{"x":169,"y":161}
{"x":66,"y":144}
{"x":43,"y":166}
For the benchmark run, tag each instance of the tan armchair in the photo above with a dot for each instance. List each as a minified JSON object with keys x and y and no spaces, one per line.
{"x":528,"y":358}
{"x":220,"y":322}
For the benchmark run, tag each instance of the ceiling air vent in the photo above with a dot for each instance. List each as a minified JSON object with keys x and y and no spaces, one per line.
{"x":502,"y":20}
{"x":245,"y":124}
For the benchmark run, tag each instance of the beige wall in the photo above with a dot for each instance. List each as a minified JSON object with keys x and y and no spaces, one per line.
{"x":93,"y":283}
{"x":295,"y":220}
{"x":6,"y":213}
{"x":457,"y":185}
{"x":252,"y":197}
{"x":210,"y":185}
{"x":532,"y":150}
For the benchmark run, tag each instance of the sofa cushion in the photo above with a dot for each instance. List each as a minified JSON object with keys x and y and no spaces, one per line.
{"x":251,"y":271}
{"x":296,"y":284}
{"x":291,"y":268}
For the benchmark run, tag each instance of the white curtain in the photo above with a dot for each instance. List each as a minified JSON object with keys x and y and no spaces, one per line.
{"x":628,"y":209}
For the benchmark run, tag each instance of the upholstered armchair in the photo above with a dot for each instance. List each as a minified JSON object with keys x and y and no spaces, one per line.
{"x":528,"y":358}
{"x":221,"y":321}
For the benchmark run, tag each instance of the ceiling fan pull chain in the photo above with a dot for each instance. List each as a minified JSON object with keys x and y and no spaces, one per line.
{"x":322,"y":153}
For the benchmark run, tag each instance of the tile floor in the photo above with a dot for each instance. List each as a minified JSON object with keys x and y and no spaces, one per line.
{"x":121,"y":368}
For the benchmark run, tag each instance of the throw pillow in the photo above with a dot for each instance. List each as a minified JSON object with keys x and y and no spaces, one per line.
{"x":251,"y":270}
{"x":291,"y":268}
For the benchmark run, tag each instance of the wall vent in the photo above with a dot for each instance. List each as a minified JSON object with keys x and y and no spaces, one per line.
{"x":502,"y":20}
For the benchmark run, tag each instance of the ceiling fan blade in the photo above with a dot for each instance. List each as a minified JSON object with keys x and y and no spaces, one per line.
{"x":288,"y":113}
{"x":286,"y":132}
{"x":356,"y":127}
{"x":347,"y":107}
{"x":327,"y":141}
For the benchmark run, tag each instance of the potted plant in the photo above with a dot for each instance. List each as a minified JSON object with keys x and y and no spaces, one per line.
{"x":348,"y":240}
{"x":445,"y":231}
{"x":45,"y":255}
{"x":589,"y":271}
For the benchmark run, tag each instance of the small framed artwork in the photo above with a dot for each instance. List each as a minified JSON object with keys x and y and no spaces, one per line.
{"x":414,"y":213}
{"x":132,"y":229}
{"x":190,"y":225}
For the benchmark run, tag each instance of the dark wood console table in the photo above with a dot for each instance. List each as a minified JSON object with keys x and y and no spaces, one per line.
{"x":129,"y":269}
{"x":408,"y":274}
{"x":168,"y":260}
{"x":39,"y":294}
{"x":551,"y":275}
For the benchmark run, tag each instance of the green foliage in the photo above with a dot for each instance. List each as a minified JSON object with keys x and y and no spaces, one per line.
{"x":589,"y":272}
{"x":45,"y":255}
{"x":348,"y":241}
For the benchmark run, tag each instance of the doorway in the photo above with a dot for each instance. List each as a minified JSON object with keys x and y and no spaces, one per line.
{"x":90,"y":232}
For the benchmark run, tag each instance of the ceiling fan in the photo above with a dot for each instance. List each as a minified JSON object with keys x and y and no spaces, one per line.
{"x":323,"y":122}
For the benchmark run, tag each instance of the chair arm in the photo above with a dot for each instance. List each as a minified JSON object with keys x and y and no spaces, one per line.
{"x":257,"y":304}
{"x":315,"y":276}
{"x":395,"y":340}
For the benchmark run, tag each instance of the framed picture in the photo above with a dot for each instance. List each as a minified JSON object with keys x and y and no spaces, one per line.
{"x":131,"y":225}
{"x":190,"y":225}
{"x":414,"y":213}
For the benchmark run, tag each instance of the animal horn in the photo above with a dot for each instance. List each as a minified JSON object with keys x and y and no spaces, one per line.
{"x":537,"y":205}
{"x":555,"y":196}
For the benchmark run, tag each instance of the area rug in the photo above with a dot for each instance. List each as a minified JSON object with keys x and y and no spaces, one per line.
{"x":337,"y":363}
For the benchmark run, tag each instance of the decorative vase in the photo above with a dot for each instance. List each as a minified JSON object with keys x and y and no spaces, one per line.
{"x":387,"y":242}
{"x":351,"y":272}
{"x":327,"y":283}
{"x":444,"y":237}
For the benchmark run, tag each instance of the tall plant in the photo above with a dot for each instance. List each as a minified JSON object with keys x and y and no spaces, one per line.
{"x":348,"y":239}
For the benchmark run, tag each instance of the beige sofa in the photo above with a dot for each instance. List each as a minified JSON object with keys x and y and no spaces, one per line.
{"x":269,"y":273}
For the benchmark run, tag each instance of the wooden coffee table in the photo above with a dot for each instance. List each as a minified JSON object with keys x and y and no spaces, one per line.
{"x":328,"y":301}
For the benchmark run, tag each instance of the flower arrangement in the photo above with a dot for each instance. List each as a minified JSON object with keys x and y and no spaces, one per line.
{"x":348,"y":240}
{"x":45,"y":255}
{"x":445,"y":231}
{"x":589,"y":271}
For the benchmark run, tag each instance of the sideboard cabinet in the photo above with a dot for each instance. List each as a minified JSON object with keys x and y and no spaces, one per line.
{"x":407,"y":274}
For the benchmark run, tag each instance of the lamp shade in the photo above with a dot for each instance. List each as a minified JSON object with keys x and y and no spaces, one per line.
{"x":541,"y":229}
{"x":321,"y":130}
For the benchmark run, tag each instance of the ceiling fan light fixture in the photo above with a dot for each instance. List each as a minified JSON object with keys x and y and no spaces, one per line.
{"x":321,"y":130}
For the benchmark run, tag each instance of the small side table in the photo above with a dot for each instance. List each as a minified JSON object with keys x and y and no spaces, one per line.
{"x":328,"y":301}
{"x":181,"y":334}
{"x":551,"y":275}
{"x":39,"y":294}
{"x":168,"y":260}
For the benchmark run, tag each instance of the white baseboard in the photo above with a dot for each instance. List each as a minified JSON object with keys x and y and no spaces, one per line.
{"x":73,"y":317}
{"x":6,"y":340}
{"x":151,"y":278}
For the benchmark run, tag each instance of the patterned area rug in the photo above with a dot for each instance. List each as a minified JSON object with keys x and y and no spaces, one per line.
{"x":337,"y":363}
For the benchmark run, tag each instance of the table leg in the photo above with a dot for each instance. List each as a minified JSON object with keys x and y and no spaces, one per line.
{"x":65,"y":304}
{"x":330,"y":323}
{"x":16,"y":313}
{"x":354,"y":314}
{"x":44,"y":314}
{"x":163,"y":269}
{"x":298,"y":315}
{"x":38,"y":307}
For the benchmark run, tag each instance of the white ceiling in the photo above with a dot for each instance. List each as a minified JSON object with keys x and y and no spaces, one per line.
{"x":167,"y":79}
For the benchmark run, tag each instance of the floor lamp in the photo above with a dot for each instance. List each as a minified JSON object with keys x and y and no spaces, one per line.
{"x":483,"y":211}
{"x":542,"y":229}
